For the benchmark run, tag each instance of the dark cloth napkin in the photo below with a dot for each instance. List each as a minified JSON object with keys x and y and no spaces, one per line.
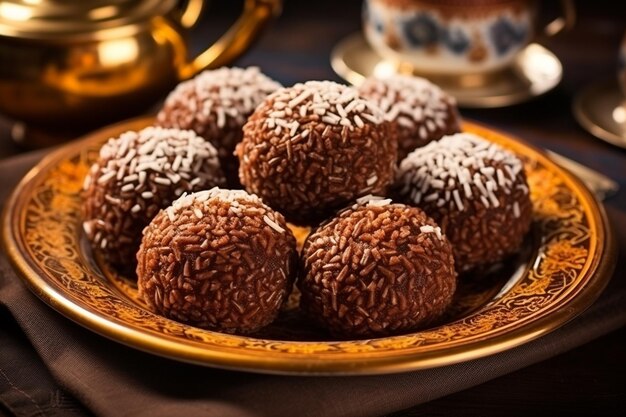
{"x":60,"y":368}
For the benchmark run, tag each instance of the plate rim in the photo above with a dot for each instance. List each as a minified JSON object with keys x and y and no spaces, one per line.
{"x":315,"y":364}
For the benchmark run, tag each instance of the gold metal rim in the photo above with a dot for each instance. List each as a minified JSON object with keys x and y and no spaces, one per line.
{"x":578,"y":107}
{"x":231,"y":357}
{"x":353,"y":76}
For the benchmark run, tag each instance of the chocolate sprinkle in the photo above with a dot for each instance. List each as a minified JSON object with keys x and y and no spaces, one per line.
{"x":217,"y":259}
{"x":377,"y":269}
{"x":311,"y":149}
{"x":215,"y":104}
{"x":475,"y":190}
{"x":418,"y":110}
{"x":136,"y":175}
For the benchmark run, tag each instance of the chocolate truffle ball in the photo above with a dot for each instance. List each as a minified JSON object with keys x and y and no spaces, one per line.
{"x":377,"y":269}
{"x":135,"y":176}
{"x":217,"y":259}
{"x":215,"y":104}
{"x":311,"y":149}
{"x":418,"y":110}
{"x":475,"y":190}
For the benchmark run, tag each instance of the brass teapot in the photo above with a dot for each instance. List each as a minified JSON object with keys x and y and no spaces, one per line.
{"x":71,"y":65}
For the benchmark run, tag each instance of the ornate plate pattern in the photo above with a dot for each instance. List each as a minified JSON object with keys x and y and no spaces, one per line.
{"x":567,"y":265}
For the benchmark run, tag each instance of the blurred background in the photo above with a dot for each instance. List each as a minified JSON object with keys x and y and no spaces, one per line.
{"x":297,"y":47}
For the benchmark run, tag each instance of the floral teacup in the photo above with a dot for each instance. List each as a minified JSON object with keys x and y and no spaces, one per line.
{"x":450,"y":36}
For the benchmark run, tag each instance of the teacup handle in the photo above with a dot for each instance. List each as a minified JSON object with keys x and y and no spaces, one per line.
{"x":256,"y":14}
{"x":564,"y":22}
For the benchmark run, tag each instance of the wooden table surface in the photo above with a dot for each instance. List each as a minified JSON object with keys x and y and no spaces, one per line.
{"x":586,"y":381}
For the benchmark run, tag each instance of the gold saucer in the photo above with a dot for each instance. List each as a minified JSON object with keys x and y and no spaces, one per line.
{"x":601,"y":109}
{"x":534,"y":72}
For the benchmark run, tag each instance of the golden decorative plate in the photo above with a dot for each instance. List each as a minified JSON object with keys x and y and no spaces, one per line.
{"x":566,"y":262}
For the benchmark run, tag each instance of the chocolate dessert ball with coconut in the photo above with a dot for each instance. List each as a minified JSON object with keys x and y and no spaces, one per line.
{"x":217,"y":259}
{"x":418,"y":110}
{"x":475,"y":190}
{"x":311,"y":149}
{"x":377,"y":269}
{"x":136,"y":175}
{"x":215,"y":104}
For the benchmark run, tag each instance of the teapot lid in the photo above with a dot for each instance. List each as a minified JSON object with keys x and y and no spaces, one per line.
{"x":52,"y":19}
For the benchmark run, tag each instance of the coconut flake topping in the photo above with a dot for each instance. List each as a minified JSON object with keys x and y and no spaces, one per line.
{"x":170,"y":154}
{"x":202,"y":199}
{"x":335,"y":105}
{"x":410,"y":101}
{"x":453,"y":170}
{"x":223,"y":93}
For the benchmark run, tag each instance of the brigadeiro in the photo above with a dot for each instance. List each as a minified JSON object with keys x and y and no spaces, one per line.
{"x":136,"y":175}
{"x":310,"y":149}
{"x":217,"y":259}
{"x":418,"y":110}
{"x":377,"y":269}
{"x":215,"y":104}
{"x":475,"y":190}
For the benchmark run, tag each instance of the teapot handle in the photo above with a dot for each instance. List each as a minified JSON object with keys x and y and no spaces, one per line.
{"x":189,"y":12}
{"x":256,"y":14}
